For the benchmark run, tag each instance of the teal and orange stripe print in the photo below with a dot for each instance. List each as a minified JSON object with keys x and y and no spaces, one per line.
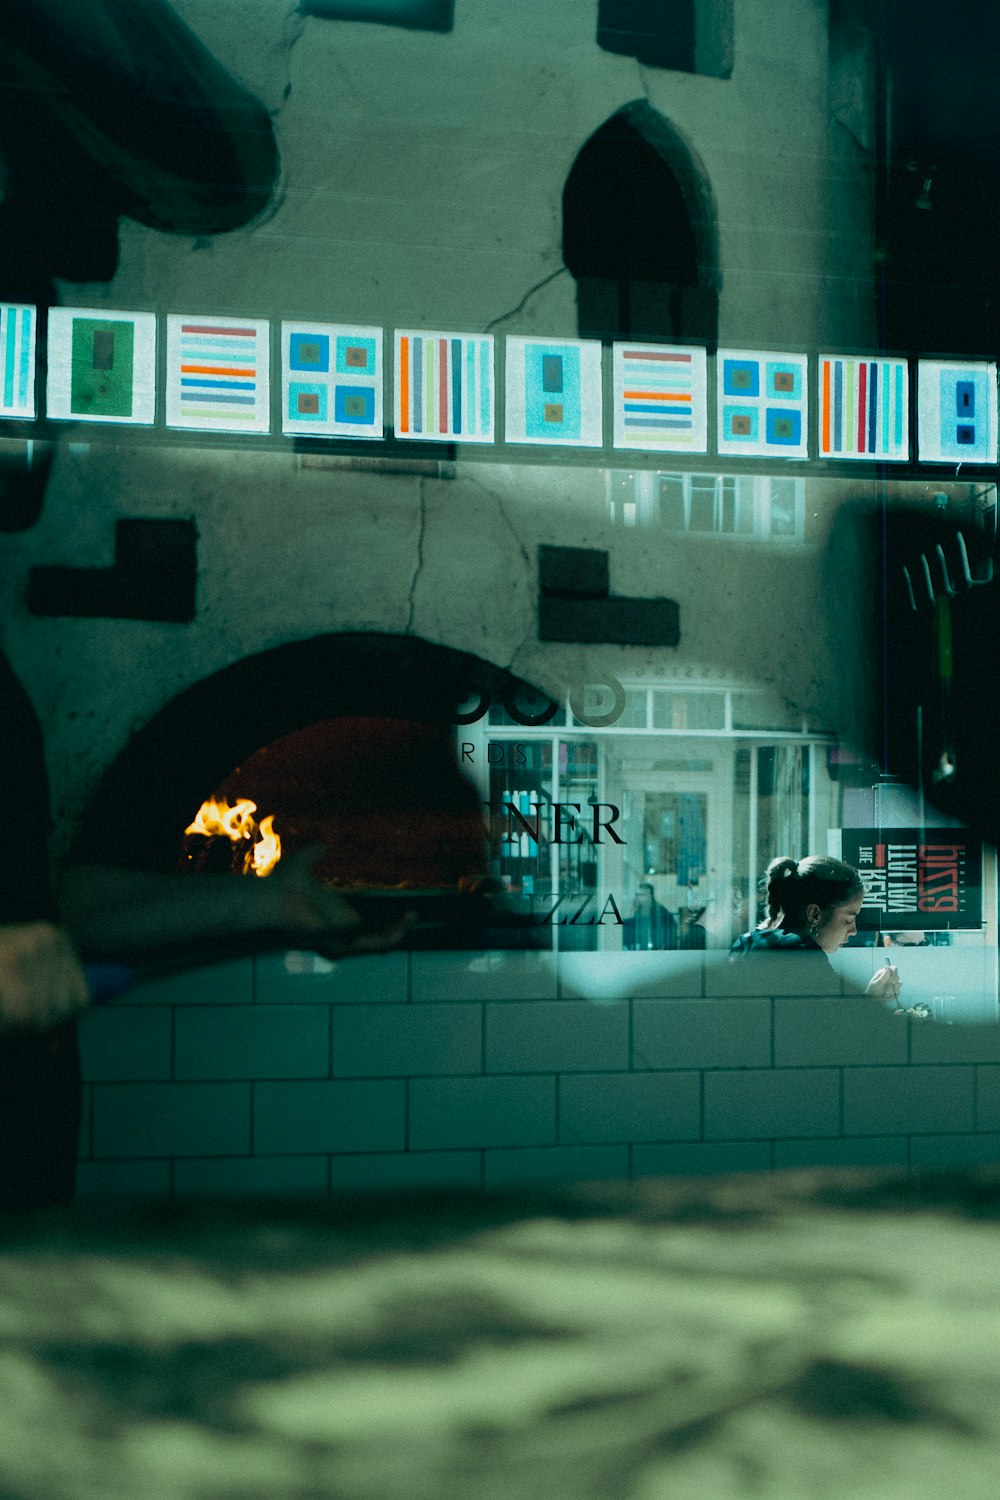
{"x":17,"y":360}
{"x":863,"y":408}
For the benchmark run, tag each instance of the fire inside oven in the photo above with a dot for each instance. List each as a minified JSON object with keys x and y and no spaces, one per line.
{"x":380,"y":800}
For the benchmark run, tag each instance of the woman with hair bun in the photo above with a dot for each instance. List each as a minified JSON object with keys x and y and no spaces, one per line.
{"x":812,"y":907}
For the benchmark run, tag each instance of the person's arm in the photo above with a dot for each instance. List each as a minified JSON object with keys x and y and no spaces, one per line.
{"x":140,"y":916}
{"x":885,"y":984}
{"x":41,"y":980}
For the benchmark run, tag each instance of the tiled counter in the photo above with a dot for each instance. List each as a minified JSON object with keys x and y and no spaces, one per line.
{"x":289,"y":1074}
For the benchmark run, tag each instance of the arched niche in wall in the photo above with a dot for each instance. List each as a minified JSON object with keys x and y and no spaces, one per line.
{"x":347,"y":740}
{"x":639,"y":232}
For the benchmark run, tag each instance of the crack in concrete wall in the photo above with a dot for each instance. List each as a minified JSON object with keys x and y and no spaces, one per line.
{"x":531,"y":292}
{"x":420,"y":557}
{"x":294,"y":30}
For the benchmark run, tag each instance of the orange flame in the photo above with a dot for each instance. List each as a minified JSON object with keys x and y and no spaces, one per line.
{"x":236,"y":822}
{"x":267,"y":850}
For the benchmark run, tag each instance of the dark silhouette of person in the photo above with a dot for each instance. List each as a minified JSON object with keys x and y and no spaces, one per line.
{"x":651,"y":925}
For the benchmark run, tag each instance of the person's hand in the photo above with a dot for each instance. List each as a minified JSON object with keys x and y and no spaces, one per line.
{"x":41,"y":981}
{"x":884,"y":984}
{"x":303,"y":905}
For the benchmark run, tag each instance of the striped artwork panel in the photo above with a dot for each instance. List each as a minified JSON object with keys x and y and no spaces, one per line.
{"x":554,"y":392}
{"x":956,"y":412}
{"x":660,"y":398}
{"x":17,"y":360}
{"x":863,"y":408}
{"x":762,"y":404}
{"x":101,"y":366}
{"x":331,"y":380}
{"x":218,"y":373}
{"x":444,"y":387}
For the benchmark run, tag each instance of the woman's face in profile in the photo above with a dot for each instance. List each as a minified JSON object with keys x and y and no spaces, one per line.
{"x":840,"y":924}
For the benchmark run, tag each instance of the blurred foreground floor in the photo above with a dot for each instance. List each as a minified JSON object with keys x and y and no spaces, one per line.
{"x":828,"y":1335}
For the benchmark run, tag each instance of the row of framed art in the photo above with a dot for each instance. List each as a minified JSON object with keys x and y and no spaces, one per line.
{"x":215,"y":376}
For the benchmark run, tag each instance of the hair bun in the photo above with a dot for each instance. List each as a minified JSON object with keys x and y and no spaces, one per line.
{"x":791,"y":885}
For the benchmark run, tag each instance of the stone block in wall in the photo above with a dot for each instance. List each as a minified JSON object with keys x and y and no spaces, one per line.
{"x":474,"y":1112}
{"x":618,"y":1107}
{"x":371,"y":1041}
{"x":490,"y":975}
{"x":762,"y":1105}
{"x":945,"y":1152}
{"x":555,"y":1164}
{"x":935,"y":1043}
{"x":617,"y":976}
{"x":123,"y":1179}
{"x":859,"y":1151}
{"x":123,"y":1042}
{"x":307,"y":1117}
{"x":215,"y":984}
{"x":987,"y":1098}
{"x":256,"y":1041}
{"x":271,"y":1176}
{"x":393,"y":1171}
{"x":556,"y":1036}
{"x":770,"y":974}
{"x":700,"y":1158}
{"x":701,"y":1033}
{"x":908,"y":1101}
{"x":815,"y":1031}
{"x":171,"y":1119}
{"x":308,"y":978}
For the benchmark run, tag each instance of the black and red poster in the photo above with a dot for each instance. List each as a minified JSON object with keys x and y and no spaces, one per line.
{"x":915,"y":879}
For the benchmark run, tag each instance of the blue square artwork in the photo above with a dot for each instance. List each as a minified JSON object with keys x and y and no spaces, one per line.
{"x":741,"y":377}
{"x":306,"y":401}
{"x":741,"y":424}
{"x":309,"y":351}
{"x":762,"y":403}
{"x":354,"y":404}
{"x":553,"y":399}
{"x":784,"y":382}
{"x":355,"y":356}
{"x":783,"y":427}
{"x":958,"y":413}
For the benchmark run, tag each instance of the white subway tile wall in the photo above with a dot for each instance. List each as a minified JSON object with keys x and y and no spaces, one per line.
{"x":300,"y":1117}
{"x":849,"y":1151}
{"x":909,"y":1101}
{"x":758,"y":1104}
{"x":293,"y":1075}
{"x":454,"y":1112}
{"x":508,"y":1167}
{"x":700,"y":1159}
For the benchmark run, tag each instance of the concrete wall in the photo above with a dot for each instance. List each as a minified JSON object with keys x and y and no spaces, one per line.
{"x":422,"y":183}
{"x":287,"y":1074}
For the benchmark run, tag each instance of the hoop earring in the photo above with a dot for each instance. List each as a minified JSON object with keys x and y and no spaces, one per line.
{"x":814,"y":929}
